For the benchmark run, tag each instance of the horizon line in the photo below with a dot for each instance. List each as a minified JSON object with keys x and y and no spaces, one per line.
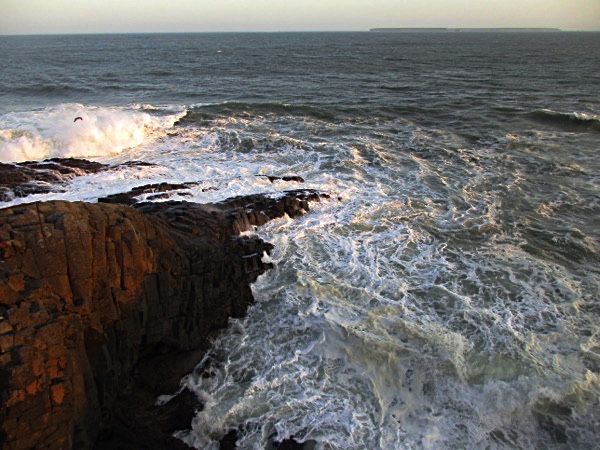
{"x":468,"y":29}
{"x":369,"y":30}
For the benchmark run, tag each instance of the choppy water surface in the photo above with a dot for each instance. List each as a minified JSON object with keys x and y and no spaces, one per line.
{"x":446,"y":296}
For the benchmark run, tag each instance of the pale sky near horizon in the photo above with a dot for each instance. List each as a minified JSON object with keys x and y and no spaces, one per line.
{"x":116,"y":16}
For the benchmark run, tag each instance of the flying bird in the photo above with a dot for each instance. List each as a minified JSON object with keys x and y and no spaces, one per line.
{"x":77,"y":118}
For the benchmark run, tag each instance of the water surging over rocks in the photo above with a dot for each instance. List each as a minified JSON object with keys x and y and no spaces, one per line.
{"x":103,"y":307}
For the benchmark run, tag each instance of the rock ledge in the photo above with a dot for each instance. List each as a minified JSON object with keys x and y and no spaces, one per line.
{"x":103,"y":307}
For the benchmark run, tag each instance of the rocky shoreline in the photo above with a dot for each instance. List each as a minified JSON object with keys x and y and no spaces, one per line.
{"x":104,"y":306}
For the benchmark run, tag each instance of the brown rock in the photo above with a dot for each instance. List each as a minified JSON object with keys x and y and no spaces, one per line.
{"x":57,"y":393}
{"x":103,"y":307}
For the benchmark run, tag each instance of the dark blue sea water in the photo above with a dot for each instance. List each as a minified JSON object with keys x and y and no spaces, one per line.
{"x":445,"y":297}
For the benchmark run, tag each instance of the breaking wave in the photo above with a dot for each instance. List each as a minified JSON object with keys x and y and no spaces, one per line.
{"x":571,"y":121}
{"x":102,"y":131}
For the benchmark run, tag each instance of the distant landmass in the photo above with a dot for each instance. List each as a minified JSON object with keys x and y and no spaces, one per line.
{"x":465,"y":30}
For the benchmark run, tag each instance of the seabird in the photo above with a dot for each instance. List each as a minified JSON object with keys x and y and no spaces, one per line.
{"x":77,"y":118}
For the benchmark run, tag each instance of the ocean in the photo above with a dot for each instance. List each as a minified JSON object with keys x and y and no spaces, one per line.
{"x":445,"y":296}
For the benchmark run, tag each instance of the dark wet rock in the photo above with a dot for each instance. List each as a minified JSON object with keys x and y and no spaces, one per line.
{"x":150,"y":426}
{"x":238,"y":214}
{"x":135,"y":164}
{"x":294,"y":178}
{"x":180,"y":410}
{"x":229,"y":442}
{"x":158,"y":191}
{"x":41,"y":177}
{"x":103,"y":307}
{"x":291,"y":444}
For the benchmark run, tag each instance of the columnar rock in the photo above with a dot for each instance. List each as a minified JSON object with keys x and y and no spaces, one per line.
{"x":94,"y":297}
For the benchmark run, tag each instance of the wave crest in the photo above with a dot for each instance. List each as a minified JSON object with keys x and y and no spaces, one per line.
{"x":206,"y":112}
{"x":103,"y":131}
{"x":572,"y":121}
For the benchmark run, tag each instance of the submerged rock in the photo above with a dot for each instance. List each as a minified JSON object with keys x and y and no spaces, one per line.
{"x":103,"y":307}
{"x":156,"y":191}
{"x":294,"y":178}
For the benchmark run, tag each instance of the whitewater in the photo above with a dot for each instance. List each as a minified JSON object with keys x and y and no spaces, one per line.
{"x":444,"y":296}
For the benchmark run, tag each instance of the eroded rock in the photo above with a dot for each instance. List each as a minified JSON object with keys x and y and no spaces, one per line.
{"x":103,"y":307}
{"x":154,"y":191}
{"x":40,"y":177}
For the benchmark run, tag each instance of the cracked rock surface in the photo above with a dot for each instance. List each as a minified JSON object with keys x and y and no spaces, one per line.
{"x":105,"y":306}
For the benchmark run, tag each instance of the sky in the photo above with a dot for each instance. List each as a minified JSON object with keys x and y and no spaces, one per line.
{"x":117,"y":16}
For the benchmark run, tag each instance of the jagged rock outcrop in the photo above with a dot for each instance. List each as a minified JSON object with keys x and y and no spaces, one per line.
{"x":156,"y":191}
{"x":103,"y":307}
{"x":272,"y":178}
{"x":51,"y":175}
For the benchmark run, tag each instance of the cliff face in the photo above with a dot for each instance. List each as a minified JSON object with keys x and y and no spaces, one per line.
{"x":99,"y":302}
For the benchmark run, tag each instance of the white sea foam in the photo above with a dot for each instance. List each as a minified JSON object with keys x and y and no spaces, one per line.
{"x":103,"y":131}
{"x":394,"y":321}
{"x":401,"y":313}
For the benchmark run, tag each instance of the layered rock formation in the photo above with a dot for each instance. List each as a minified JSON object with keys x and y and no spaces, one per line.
{"x":103,"y":307}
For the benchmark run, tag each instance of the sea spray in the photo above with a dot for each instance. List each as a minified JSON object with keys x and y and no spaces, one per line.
{"x":55,"y":132}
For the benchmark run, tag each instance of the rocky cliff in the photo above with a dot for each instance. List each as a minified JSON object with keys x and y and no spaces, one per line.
{"x":103,"y":307}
